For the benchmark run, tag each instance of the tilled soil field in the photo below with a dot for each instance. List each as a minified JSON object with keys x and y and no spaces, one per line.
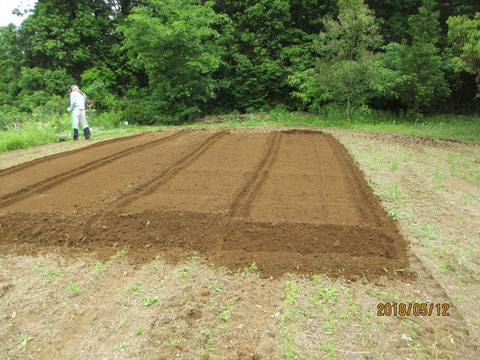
{"x":288,"y":201}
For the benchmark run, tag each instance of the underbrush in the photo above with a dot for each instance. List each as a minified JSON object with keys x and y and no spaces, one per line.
{"x":38,"y":130}
{"x":31,"y":134}
{"x":460,"y":127}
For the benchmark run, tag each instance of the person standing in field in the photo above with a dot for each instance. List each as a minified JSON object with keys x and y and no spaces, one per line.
{"x":77,"y":105}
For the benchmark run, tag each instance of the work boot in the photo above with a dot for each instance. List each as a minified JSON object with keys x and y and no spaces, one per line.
{"x":75,"y":134}
{"x":86,"y":133}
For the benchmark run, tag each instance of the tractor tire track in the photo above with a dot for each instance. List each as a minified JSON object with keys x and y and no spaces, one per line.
{"x":152,"y":184}
{"x":53,"y":181}
{"x":243,"y":200}
{"x":14,"y":169}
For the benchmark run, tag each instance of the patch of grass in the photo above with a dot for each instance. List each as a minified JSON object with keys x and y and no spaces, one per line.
{"x":395,"y":193}
{"x":394,"y":164}
{"x":23,"y":341}
{"x":48,"y":272}
{"x":393,"y":214}
{"x":325,"y":295}
{"x":225,"y":315}
{"x":30,"y":134}
{"x":288,"y":321}
{"x":438,"y":126}
{"x":330,"y":352}
{"x":74,"y":288}
{"x":214,"y":286}
{"x":150,"y":300}
{"x":252,"y":269}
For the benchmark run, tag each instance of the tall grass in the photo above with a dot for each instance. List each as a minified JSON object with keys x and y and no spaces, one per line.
{"x":439,"y":126}
{"x":30,"y":134}
{"x":55,"y":128}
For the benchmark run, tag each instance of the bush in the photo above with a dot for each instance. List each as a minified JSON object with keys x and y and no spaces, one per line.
{"x":30,"y":134}
{"x":106,"y":120}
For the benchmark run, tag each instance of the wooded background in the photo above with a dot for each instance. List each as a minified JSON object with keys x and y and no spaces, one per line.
{"x":176,"y":60}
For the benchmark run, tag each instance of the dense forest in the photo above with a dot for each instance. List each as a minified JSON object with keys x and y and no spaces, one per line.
{"x":175,"y":60}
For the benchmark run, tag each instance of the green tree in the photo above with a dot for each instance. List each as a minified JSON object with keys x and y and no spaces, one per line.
{"x":420,"y":80}
{"x":348,"y":68}
{"x":464,"y":33}
{"x":11,"y":61}
{"x":174,"y":41}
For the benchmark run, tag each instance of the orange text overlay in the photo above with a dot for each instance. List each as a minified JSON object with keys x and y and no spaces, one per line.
{"x":402,"y":309}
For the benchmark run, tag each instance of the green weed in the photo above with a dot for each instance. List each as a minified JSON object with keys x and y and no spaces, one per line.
{"x":122,"y":321}
{"x":150,"y":300}
{"x":325,"y":295}
{"x":74,"y":288}
{"x":214,"y":286}
{"x":23,"y":341}
{"x":251,"y":269}
{"x":393,"y":214}
{"x":395,"y":193}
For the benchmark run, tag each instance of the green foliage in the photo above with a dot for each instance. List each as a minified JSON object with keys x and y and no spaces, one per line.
{"x":177,"y":45}
{"x":38,"y":85}
{"x":150,"y":300}
{"x":348,"y":69}
{"x":464,"y":33}
{"x":30,"y":134}
{"x":167,"y":61}
{"x":98,"y":82}
{"x":420,"y":77}
{"x":74,"y":288}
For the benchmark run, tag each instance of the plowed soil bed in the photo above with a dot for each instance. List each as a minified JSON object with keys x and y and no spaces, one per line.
{"x":289,"y":201}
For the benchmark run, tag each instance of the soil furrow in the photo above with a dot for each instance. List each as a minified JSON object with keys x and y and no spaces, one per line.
{"x":23,"y":166}
{"x":237,"y":199}
{"x":363,"y":204}
{"x":242,"y":202}
{"x":147,"y":187}
{"x":50,"y":182}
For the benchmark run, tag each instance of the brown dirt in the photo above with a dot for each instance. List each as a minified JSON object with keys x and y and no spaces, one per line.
{"x":290,"y":201}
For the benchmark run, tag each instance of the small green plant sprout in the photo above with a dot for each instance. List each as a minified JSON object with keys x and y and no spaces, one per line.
{"x":325,"y":295}
{"x":120,"y":254}
{"x":393,"y":214}
{"x":251,"y":269}
{"x":139,"y":331}
{"x":123,"y":345}
{"x":122,"y":321}
{"x":48,"y":273}
{"x":24,"y":340}
{"x":227,"y":270}
{"x":136,"y":288}
{"x":226,"y":314}
{"x":73,"y":288}
{"x":195,"y":256}
{"x":214,"y":286}
{"x":184,"y":271}
{"x":330,"y":350}
{"x":150,"y":300}
{"x":99,"y":267}
{"x":395,"y":193}
{"x":394,"y":164}
{"x":65,"y":302}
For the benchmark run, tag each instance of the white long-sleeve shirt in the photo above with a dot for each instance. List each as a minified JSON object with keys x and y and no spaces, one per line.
{"x":77,"y":100}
